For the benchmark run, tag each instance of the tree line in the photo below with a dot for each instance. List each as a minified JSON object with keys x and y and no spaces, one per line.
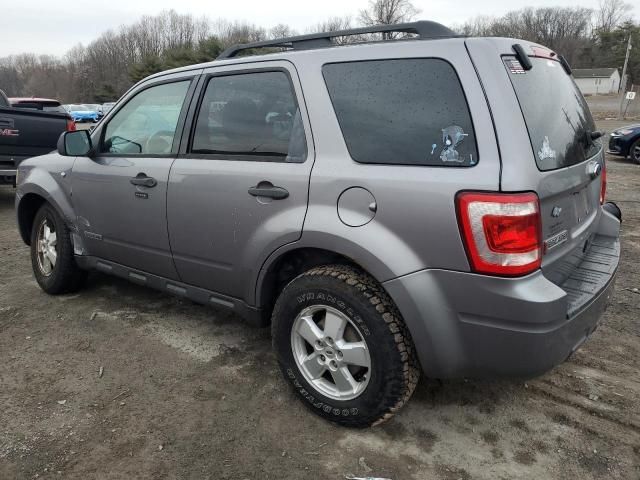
{"x":105,"y":68}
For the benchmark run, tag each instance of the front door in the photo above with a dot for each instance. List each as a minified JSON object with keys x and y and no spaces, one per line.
{"x":120,"y":193}
{"x":240,"y":189}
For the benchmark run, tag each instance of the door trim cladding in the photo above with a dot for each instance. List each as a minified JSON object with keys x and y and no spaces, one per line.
{"x":196,"y":294}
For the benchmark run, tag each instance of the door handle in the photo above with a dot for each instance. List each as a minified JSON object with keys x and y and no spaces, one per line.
{"x":143,"y":181}
{"x":266,"y":189}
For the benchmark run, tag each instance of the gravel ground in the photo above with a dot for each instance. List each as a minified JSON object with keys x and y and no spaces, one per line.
{"x":192,"y":392}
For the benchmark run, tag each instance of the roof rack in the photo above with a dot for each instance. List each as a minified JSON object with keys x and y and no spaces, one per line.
{"x":424,"y":29}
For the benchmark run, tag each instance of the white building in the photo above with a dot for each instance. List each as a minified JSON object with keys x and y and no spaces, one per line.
{"x":597,"y":81}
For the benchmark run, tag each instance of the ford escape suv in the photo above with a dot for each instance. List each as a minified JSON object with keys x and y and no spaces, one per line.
{"x":431,"y":203}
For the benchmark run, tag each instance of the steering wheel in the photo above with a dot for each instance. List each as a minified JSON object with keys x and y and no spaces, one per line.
{"x":159,"y":143}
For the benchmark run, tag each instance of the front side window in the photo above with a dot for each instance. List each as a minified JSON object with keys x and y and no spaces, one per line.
{"x":147,"y":123}
{"x":250,"y":116}
{"x":402,"y":112}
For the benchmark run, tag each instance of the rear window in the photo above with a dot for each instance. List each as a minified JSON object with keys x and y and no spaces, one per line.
{"x":555,"y":112}
{"x":403,"y":112}
{"x":52,"y":107}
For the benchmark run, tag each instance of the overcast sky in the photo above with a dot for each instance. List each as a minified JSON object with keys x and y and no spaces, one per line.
{"x":53,"y":27}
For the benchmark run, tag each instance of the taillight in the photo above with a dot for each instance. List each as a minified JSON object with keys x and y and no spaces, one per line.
{"x":501,"y":232}
{"x":71,"y":126}
{"x":603,"y":182}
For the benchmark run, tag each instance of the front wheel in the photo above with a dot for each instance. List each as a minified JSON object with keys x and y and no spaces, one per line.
{"x":634,"y":151}
{"x":342,"y":344}
{"x":52,"y":258}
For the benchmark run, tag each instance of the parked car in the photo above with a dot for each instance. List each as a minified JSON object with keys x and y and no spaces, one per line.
{"x":82,"y":113}
{"x":625,"y":141}
{"x":34,"y":103}
{"x":27,"y":131}
{"x":106,"y":107}
{"x":433,"y":204}
{"x":96,"y":108}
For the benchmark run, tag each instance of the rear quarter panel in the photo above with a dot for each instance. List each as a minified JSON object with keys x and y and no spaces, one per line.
{"x":415,"y":226}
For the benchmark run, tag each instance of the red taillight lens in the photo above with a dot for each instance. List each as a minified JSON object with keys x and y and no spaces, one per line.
{"x":603,"y":184}
{"x":71,"y":126}
{"x":501,"y":232}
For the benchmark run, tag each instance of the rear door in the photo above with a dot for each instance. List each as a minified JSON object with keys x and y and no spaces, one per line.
{"x":546,"y":138}
{"x":239,"y":189}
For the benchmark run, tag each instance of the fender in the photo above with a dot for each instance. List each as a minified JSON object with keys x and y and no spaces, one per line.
{"x":382,"y":253}
{"x":48,"y":177}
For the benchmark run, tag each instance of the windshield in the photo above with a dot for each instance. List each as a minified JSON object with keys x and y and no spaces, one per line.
{"x":557,"y":117}
{"x":78,"y":108}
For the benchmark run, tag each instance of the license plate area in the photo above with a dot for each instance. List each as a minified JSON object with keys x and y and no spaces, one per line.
{"x":581,"y":205}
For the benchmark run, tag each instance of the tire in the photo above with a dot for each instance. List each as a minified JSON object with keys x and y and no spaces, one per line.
{"x":324,"y":295}
{"x":64,"y":275}
{"x":634,"y":152}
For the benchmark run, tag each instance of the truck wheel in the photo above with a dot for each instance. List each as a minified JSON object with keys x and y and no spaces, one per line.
{"x":52,"y":259}
{"x":634,"y":152}
{"x":341,"y":343}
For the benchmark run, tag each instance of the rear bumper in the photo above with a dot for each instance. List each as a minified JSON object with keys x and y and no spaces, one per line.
{"x":469,"y":325}
{"x":8,"y":166}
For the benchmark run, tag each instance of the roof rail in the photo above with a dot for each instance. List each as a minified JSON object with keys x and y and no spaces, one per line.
{"x":424,"y":29}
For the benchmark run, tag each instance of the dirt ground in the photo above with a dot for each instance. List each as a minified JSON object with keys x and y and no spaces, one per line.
{"x":191,"y":392}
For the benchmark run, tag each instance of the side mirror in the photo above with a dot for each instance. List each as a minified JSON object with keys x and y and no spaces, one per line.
{"x":75,"y":144}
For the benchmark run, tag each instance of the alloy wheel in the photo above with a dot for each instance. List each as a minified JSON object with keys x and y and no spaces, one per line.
{"x":46,"y":245}
{"x":331,"y":352}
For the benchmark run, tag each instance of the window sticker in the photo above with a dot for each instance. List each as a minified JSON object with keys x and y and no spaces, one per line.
{"x":546,"y":151}
{"x":452,"y":136}
{"x":515,"y":66}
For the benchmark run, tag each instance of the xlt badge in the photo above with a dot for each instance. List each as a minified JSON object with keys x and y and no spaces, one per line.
{"x":556,"y":240}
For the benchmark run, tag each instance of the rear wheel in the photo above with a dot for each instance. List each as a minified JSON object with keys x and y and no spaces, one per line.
{"x":52,"y":258}
{"x":343,"y":346}
{"x":634,"y":151}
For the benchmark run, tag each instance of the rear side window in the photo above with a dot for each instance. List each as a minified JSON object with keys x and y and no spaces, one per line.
{"x":557,"y":116}
{"x":402,"y":112}
{"x":250,"y":116}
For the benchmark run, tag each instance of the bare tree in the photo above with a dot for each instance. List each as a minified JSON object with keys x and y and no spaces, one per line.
{"x":388,"y":12}
{"x":611,"y":14}
{"x":282,"y":31}
{"x":334,"y":24}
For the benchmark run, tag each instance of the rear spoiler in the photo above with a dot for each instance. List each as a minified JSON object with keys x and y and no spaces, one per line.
{"x":523,"y":57}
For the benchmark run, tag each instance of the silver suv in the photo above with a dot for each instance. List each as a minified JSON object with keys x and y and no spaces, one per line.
{"x":429,"y":203}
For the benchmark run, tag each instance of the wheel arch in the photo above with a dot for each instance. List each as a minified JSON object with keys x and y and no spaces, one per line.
{"x":291,"y":260}
{"x":37,"y":188}
{"x":26,"y":211}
